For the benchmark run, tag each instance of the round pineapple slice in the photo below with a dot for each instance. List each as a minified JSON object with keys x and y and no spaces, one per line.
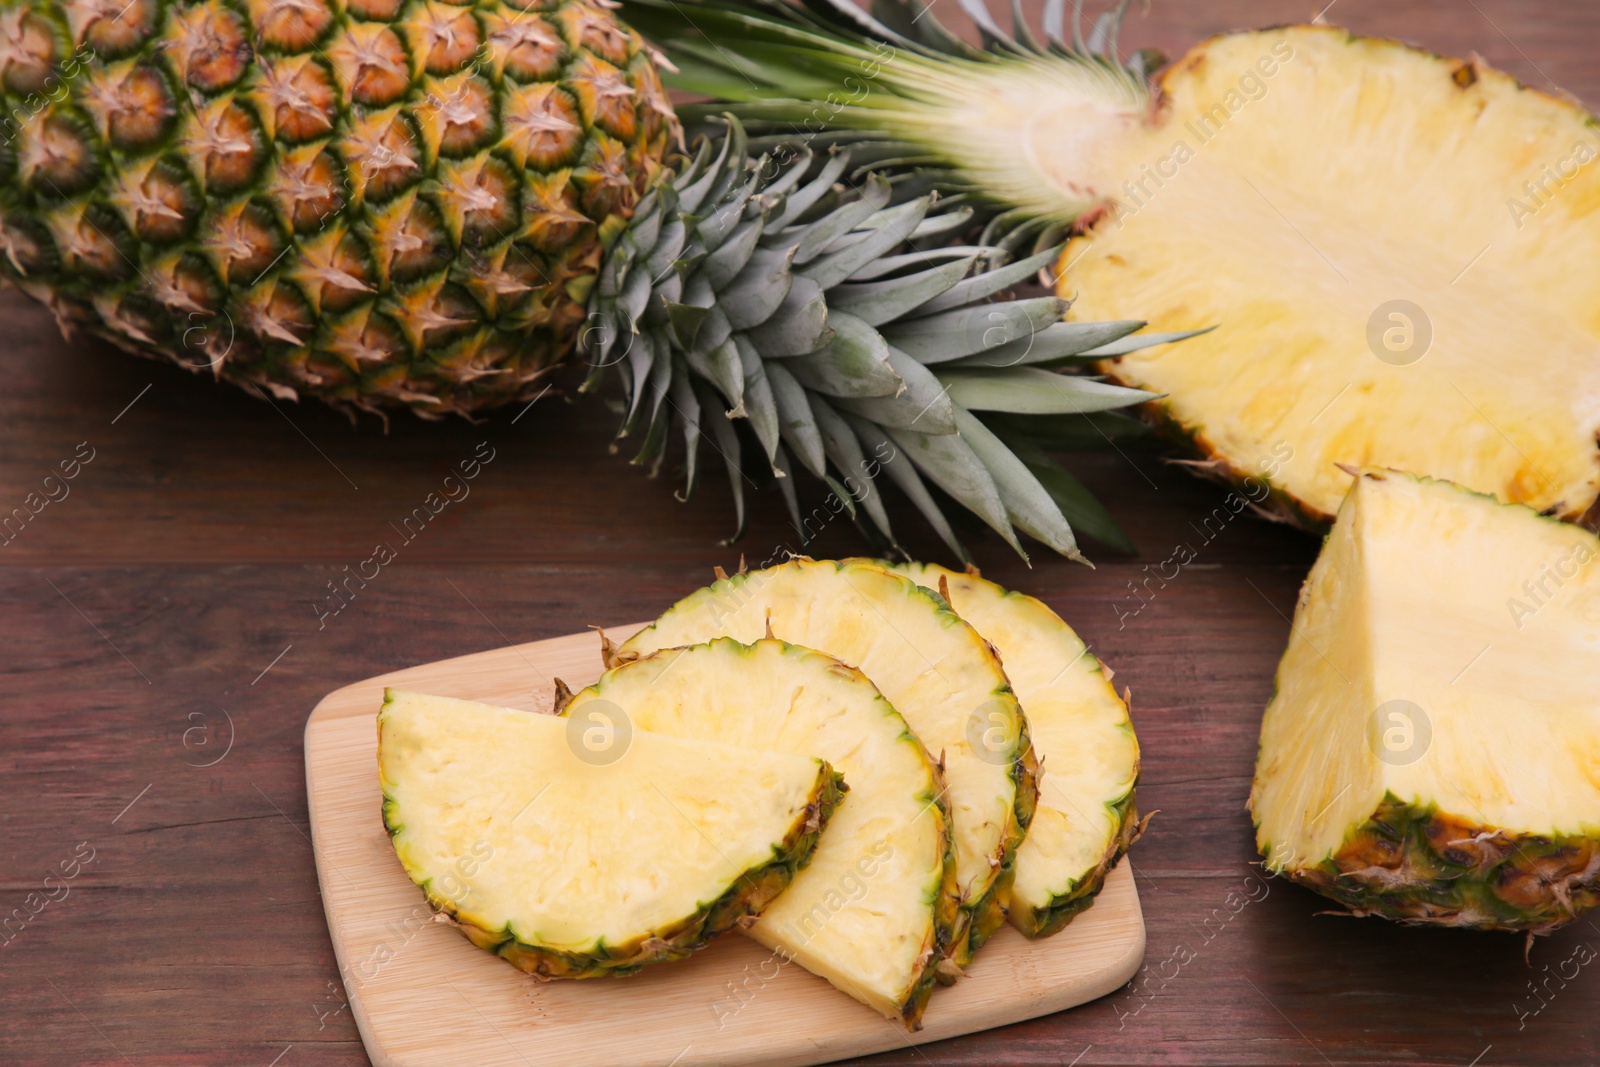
{"x":873,"y":911}
{"x":927,"y":662}
{"x":1432,"y":753}
{"x":1087,"y":752}
{"x":570,"y":866}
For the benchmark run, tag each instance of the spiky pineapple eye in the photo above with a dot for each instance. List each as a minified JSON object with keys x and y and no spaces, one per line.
{"x":334,"y":272}
{"x":382,"y":155}
{"x":130,"y":105}
{"x":526,"y":48}
{"x":372,"y":65}
{"x":458,"y":113}
{"x":605,"y":96}
{"x":299,"y":98}
{"x":27,"y":50}
{"x":242,"y":242}
{"x":290,"y":25}
{"x":306,"y":186}
{"x":87,"y":241}
{"x":157,"y":202}
{"x":598,"y":33}
{"x":27,"y":251}
{"x":208,"y":46}
{"x":112,"y":27}
{"x":223,"y":145}
{"x":541,"y":125}
{"x":446,"y":37}
{"x":54,"y":157}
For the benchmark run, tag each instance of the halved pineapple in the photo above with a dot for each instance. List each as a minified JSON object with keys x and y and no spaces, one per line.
{"x":873,"y":911}
{"x":1433,"y":751}
{"x":573,"y":865}
{"x":928,"y":663}
{"x":1088,"y":755}
{"x":1396,"y":249}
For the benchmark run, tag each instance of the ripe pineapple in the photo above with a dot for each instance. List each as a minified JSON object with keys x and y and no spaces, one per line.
{"x":1430,"y":754}
{"x":433,"y":205}
{"x":572,"y":866}
{"x":1369,"y":228}
{"x":930,"y":665}
{"x":374,"y":203}
{"x":873,"y":910}
{"x":1087,"y":752}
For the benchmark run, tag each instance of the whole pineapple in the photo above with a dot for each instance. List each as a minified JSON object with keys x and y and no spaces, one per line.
{"x":372,"y":202}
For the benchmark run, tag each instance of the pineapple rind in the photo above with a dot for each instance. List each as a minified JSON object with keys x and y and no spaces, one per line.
{"x":1024,"y":631}
{"x":1417,"y":864}
{"x":996,"y":791}
{"x":380,"y":210}
{"x":1495,"y":823}
{"x":746,"y":894}
{"x":771,"y":695}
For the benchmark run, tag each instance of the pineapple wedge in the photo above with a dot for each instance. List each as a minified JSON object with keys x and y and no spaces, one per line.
{"x":873,"y":911}
{"x":1432,"y":754}
{"x":572,"y":865}
{"x":928,"y":663}
{"x":1088,"y":755}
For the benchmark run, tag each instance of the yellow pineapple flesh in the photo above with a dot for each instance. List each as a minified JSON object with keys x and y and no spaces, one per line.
{"x":1396,"y":252}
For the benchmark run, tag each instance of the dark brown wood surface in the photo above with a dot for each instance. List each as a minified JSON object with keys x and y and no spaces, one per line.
{"x":172,"y":593}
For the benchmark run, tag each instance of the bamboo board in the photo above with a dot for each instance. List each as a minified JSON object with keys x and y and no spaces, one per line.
{"x":422,"y":995}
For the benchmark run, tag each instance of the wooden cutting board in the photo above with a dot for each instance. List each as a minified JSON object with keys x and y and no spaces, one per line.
{"x":423,"y":995}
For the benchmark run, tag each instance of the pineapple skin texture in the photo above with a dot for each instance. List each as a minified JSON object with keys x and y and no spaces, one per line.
{"x":380,"y":203}
{"x":1430,"y":856}
{"x":1416,"y":864}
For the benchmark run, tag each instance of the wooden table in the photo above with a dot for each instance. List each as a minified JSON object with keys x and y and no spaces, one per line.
{"x":172,"y":593}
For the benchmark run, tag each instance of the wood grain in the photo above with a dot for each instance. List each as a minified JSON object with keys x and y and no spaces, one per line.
{"x":728,"y":1006}
{"x":137,"y":611}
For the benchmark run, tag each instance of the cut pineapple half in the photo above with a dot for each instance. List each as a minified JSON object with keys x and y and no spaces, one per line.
{"x":1396,"y":249}
{"x":873,"y":911}
{"x":571,"y":864}
{"x":933,"y":667}
{"x":1088,"y":755}
{"x":1433,"y":751}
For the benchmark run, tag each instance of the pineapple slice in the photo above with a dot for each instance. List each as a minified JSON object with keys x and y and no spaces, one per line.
{"x":1371,"y":229}
{"x":1433,"y":751}
{"x":570,"y":865}
{"x":873,"y":911}
{"x":928,"y":663}
{"x":1088,"y":756}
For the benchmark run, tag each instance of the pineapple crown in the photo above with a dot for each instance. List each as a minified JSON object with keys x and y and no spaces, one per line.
{"x":824,"y":309}
{"x":1010,"y":128}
